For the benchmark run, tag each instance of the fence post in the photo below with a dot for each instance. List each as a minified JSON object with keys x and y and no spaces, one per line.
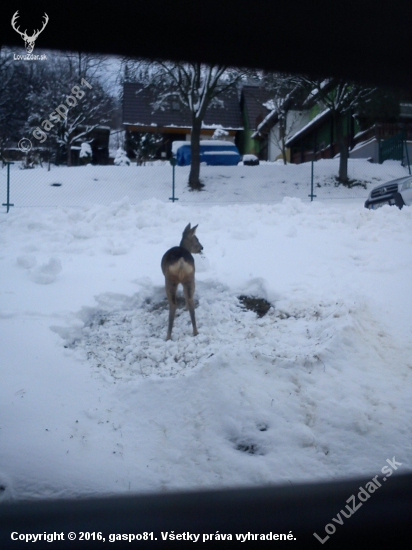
{"x":8,"y":203}
{"x":173,"y":163}
{"x":311,"y":171}
{"x":406,"y":149}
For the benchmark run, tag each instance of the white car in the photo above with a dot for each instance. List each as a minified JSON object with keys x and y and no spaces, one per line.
{"x":397,"y":192}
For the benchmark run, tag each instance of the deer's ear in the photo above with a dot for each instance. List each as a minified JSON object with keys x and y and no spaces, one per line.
{"x":187,"y":229}
{"x":194,"y":229}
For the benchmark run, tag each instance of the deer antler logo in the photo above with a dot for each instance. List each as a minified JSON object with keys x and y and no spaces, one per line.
{"x":29,"y":41}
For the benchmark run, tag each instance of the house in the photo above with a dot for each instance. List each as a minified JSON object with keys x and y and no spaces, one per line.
{"x":254,"y":109}
{"x":172,"y":121}
{"x":386,"y":140}
{"x":285,"y":117}
{"x":299,"y":127}
{"x":317,"y":138}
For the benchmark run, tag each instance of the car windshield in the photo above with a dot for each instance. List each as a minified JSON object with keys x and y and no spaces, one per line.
{"x":276,"y":351}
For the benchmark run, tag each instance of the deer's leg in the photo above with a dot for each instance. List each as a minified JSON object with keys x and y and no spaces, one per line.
{"x":189,"y":291}
{"x":171,"y":290}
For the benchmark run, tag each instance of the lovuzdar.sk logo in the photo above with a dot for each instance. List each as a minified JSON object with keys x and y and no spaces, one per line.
{"x":29,"y":41}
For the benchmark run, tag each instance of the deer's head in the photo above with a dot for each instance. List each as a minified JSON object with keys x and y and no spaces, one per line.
{"x":29,"y":41}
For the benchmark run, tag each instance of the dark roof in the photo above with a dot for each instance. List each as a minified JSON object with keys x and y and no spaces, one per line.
{"x":253,"y":98}
{"x":138,"y":110}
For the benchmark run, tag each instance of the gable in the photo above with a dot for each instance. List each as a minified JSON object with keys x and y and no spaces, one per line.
{"x":138,"y":110}
{"x":253,"y":100}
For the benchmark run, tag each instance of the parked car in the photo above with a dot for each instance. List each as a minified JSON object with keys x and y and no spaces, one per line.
{"x":397,"y":192}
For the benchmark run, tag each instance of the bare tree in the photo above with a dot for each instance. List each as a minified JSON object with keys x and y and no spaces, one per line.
{"x":16,"y":80}
{"x":288,"y":124}
{"x":66,"y":109}
{"x":144,"y":145}
{"x":87,"y":65}
{"x":339,"y":97}
{"x":195,"y":86}
{"x":287,"y":95}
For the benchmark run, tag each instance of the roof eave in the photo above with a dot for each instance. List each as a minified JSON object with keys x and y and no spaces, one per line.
{"x":309,"y":127}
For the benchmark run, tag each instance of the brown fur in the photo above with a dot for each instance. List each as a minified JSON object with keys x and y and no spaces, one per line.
{"x":178,"y":267}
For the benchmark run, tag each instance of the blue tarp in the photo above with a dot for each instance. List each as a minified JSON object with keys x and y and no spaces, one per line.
{"x":213,"y":155}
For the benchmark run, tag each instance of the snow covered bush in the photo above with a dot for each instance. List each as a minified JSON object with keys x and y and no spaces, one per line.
{"x":121,"y":158}
{"x":85,"y":153}
{"x":145,"y":146}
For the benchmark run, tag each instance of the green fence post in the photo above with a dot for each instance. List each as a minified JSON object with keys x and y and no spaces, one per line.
{"x":8,"y":203}
{"x":173,"y":163}
{"x":406,"y":150}
{"x":311,"y":172}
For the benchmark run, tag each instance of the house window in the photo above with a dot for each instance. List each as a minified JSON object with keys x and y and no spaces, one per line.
{"x":175,"y":106}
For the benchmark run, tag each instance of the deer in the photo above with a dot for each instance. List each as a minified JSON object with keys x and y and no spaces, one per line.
{"x":178,"y":266}
{"x":29,"y":41}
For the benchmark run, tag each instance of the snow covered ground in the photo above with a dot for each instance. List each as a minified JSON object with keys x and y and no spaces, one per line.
{"x":269,"y":182}
{"x":95,"y":401}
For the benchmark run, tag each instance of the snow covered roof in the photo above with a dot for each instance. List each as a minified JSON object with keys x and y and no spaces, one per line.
{"x":138,"y":111}
{"x":292,"y":98}
{"x":269,"y":121}
{"x":309,"y":126}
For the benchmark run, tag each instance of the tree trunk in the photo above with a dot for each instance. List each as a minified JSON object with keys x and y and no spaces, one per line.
{"x":343,"y":164}
{"x":282,"y":135}
{"x":194,"y":181}
{"x":69,"y":155}
{"x":285,"y":161}
{"x":343,"y":150}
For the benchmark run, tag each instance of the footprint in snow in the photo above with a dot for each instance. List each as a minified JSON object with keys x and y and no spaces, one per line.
{"x":46,"y":273}
{"x":26,"y":262}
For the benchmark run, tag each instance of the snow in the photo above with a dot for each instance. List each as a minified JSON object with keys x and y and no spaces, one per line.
{"x":215,"y":142}
{"x":219,"y":126}
{"x":221,"y":152}
{"x":95,"y":401}
{"x":177,"y":144}
{"x":219,"y":133}
{"x":362,"y":144}
{"x":268,"y":117}
{"x":121,"y":158}
{"x":249,"y":157}
{"x":269,"y":182}
{"x":86,"y":150}
{"x":309,"y":124}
